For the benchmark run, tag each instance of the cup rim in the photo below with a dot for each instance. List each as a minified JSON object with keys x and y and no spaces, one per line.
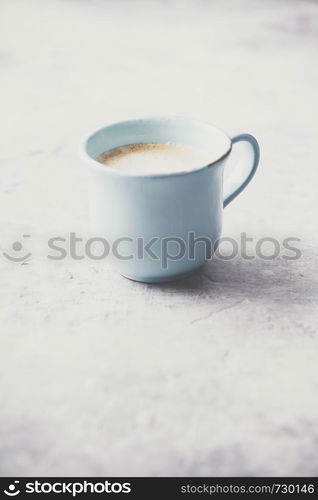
{"x":116,"y":172}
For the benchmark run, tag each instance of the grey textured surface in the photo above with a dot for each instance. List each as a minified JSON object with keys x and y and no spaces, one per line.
{"x":216,"y":374}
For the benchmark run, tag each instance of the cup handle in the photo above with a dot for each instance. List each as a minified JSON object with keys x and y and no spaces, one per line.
{"x":246,"y":172}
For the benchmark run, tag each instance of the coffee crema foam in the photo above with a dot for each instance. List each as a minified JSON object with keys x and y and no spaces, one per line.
{"x":154,"y":158}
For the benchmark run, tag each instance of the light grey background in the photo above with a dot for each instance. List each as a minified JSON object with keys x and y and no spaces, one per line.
{"x":214,"y":375}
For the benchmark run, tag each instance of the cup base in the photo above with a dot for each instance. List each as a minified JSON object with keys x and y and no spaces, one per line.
{"x":160,"y":279}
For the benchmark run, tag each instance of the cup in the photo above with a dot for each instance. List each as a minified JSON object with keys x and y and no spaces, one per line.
{"x":163,"y":227}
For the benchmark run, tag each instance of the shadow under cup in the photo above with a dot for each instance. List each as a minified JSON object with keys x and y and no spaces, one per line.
{"x":157,"y":227}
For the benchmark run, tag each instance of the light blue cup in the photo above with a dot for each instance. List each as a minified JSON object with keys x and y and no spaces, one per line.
{"x":176,"y":215}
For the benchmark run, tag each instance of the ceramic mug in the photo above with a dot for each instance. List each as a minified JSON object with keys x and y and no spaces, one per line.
{"x":158,"y":227}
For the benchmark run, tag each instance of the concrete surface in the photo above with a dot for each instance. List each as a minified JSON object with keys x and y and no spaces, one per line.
{"x":217,"y":374}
